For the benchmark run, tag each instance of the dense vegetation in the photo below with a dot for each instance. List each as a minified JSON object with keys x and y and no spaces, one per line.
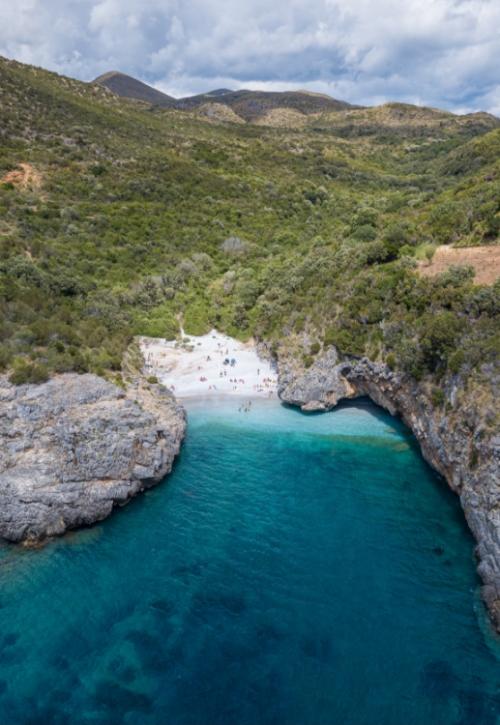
{"x":133,"y":216}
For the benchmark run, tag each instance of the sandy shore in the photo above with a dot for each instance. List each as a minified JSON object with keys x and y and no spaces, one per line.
{"x":209,"y":365}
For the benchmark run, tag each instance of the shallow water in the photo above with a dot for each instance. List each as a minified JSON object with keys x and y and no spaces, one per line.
{"x":293,"y":570}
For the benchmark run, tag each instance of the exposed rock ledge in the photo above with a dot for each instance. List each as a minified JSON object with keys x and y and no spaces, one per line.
{"x":74,"y":447}
{"x":454,"y":439}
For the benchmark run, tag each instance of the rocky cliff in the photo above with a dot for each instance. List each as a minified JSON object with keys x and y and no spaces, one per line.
{"x":457,"y":437}
{"x":73,"y":448}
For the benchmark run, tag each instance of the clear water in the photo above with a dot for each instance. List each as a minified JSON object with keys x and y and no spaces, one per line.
{"x":294,"y":570}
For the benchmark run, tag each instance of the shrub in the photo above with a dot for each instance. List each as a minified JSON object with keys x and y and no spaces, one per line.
{"x":97,"y":170}
{"x":366,"y":216}
{"x":439,"y":334}
{"x":437,"y":397}
{"x":455,"y":361}
{"x":5,"y":357}
{"x":447,"y":221}
{"x":329,"y":337}
{"x":390,"y":360}
{"x":27,"y":372}
{"x":350,"y":341}
{"x":428,"y":252}
{"x":377,"y":253}
{"x":197,"y":318}
{"x":398,"y":234}
{"x":365,"y":233}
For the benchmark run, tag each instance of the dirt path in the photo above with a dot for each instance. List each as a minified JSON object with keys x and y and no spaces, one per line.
{"x":485,"y":260}
{"x":24,"y":177}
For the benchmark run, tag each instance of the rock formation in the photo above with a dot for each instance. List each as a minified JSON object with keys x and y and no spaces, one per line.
{"x":76,"y":446}
{"x":456,"y":437}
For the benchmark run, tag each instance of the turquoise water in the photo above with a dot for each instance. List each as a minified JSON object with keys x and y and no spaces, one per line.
{"x":293,"y":570}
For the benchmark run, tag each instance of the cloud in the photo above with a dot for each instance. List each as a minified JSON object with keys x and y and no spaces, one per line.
{"x":435,"y":52}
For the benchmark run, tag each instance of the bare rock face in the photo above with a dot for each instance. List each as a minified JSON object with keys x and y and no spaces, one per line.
{"x":74,"y":447}
{"x":319,"y":387}
{"x":455,"y":438}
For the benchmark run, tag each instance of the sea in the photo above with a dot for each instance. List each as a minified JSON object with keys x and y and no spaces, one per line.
{"x":294,"y":569}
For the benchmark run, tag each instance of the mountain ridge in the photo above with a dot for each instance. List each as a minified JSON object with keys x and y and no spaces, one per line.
{"x":255,"y":106}
{"x":249,"y":105}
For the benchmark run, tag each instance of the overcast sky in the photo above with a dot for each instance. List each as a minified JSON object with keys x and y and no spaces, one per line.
{"x":443,"y":53}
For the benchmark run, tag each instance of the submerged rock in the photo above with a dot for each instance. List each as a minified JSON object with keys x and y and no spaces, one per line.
{"x":454,"y":438}
{"x":76,"y":446}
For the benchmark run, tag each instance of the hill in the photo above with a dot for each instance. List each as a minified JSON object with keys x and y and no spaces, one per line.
{"x":252,"y":105}
{"x":128,"y":87}
{"x":300,"y":108}
{"x":115,"y":219}
{"x":397,"y":120}
{"x":249,"y":105}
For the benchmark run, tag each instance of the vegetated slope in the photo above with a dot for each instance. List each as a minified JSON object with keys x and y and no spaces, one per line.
{"x":126,"y":230}
{"x":219,"y":113}
{"x":128,"y":87}
{"x":248,"y":105}
{"x":396,"y":120}
{"x":298,"y":108}
{"x":251,"y":105}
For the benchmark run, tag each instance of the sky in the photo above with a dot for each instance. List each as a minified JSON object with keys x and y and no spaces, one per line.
{"x":441,"y":53}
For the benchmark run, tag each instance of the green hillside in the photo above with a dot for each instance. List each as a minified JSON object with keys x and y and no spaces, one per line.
{"x":119,"y":222}
{"x":251,"y":105}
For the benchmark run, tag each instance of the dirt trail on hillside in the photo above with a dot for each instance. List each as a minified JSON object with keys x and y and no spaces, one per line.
{"x":24,"y":177}
{"x":485,"y":260}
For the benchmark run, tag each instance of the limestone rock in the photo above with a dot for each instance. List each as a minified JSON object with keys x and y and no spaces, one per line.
{"x":319,"y":387}
{"x":76,"y":446}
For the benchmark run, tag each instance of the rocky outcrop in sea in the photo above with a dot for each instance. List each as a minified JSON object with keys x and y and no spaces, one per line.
{"x":457,"y":437}
{"x":73,"y":448}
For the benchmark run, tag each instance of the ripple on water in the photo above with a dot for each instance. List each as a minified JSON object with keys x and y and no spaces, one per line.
{"x":297,"y":570}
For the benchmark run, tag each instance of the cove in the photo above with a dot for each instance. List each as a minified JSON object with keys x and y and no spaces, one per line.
{"x":293,"y":570}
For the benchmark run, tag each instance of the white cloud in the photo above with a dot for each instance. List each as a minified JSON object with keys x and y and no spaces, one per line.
{"x":439,"y":52}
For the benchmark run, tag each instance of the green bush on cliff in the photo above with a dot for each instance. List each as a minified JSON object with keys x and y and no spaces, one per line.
{"x":27,"y":372}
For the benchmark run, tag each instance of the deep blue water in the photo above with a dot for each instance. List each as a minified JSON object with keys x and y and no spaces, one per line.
{"x":293,"y":570}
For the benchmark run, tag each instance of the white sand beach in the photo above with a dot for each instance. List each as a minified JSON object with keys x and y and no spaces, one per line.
{"x":209,"y":365}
